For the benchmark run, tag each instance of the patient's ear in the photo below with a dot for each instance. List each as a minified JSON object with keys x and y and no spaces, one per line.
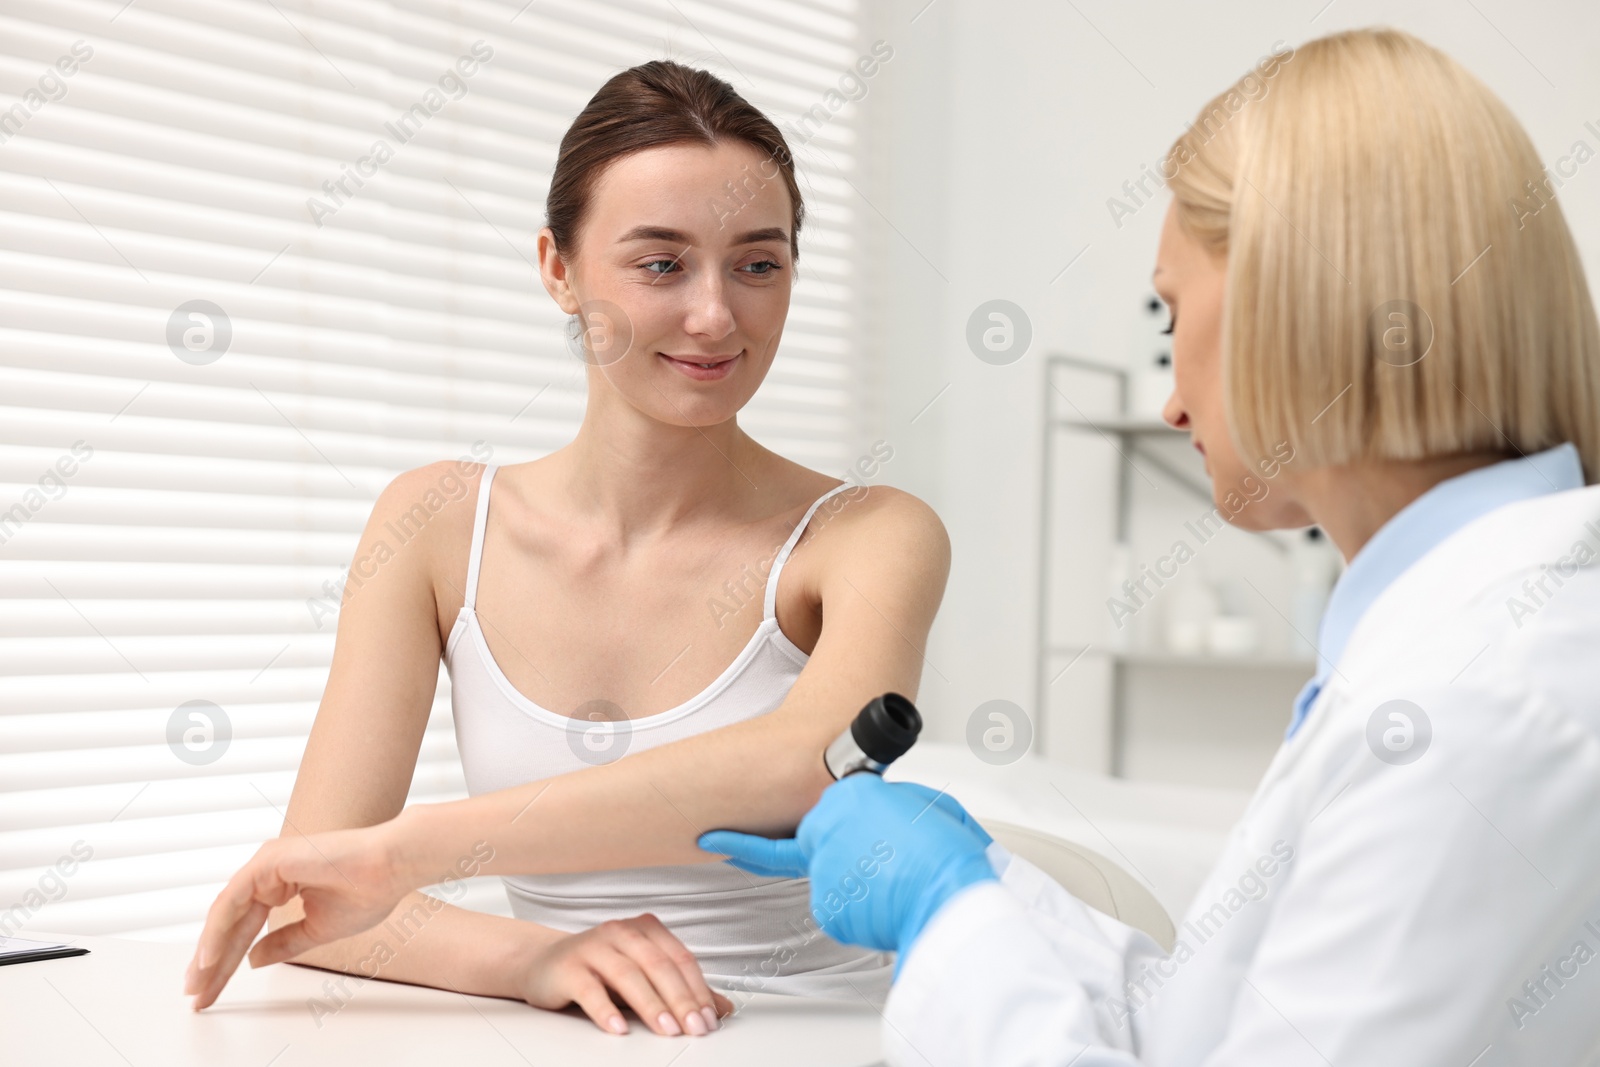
{"x":556,"y":273}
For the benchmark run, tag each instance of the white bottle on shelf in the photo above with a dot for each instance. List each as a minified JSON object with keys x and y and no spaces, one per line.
{"x":1190,"y":612}
{"x":1120,"y":570}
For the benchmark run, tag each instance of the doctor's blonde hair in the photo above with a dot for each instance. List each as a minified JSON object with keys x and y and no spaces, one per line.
{"x":1401,"y":282}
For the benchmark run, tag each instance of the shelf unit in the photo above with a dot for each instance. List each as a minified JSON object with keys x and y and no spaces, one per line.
{"x":1128,"y":435}
{"x":1254,"y":661}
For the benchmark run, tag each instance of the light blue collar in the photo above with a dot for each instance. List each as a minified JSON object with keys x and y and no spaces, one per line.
{"x":1415,"y":530}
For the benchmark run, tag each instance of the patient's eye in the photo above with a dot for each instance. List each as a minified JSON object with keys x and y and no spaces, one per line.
{"x":769,"y":266}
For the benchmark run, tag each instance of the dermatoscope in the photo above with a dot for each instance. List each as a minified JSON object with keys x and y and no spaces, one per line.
{"x":881,"y":733}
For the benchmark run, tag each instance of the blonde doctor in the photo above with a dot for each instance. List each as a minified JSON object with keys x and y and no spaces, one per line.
{"x":1367,"y":263}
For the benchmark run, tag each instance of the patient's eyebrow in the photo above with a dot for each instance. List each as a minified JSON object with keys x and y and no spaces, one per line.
{"x":771,"y":233}
{"x":654,"y":233}
{"x":667,"y":233}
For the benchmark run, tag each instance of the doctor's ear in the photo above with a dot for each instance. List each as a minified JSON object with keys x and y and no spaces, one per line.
{"x":556,"y":273}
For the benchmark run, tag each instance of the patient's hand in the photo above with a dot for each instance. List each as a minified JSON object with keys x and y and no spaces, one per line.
{"x":640,"y":960}
{"x":347,"y":881}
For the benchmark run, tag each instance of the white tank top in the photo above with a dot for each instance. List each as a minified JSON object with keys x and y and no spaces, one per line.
{"x":748,"y":933}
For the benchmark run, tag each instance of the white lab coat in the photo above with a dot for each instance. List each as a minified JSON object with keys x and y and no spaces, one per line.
{"x":1441,"y":912}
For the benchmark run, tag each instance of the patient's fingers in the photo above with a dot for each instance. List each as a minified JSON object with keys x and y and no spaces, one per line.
{"x":231,"y":905}
{"x":635,"y":962}
{"x":688,"y":967}
{"x":225,"y":912}
{"x":590,"y":995}
{"x":233,"y":921}
{"x":666,"y":962}
{"x":623,"y":974}
{"x":223,"y":958}
{"x":284,"y":943}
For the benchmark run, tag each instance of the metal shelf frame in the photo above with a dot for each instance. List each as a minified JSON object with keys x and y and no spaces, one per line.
{"x":1125,"y":434}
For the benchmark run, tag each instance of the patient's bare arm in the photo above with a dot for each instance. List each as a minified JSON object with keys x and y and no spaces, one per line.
{"x":880,"y":570}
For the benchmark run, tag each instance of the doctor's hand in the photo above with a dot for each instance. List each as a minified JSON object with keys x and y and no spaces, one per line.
{"x":348,"y":881}
{"x":882,"y":858}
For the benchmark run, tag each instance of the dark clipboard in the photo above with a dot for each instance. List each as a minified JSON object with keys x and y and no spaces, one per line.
{"x":17,"y":950}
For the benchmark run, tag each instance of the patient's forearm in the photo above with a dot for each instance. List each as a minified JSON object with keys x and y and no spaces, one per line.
{"x":646,"y":809}
{"x":426,"y":941}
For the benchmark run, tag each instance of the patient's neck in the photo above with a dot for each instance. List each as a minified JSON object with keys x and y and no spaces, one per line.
{"x":641,"y":477}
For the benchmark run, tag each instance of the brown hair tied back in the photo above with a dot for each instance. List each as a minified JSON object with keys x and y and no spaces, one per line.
{"x":653,"y":104}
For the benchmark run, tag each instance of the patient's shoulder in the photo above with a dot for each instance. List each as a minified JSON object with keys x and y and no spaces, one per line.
{"x":431,"y":498}
{"x":880,"y":525}
{"x":424,"y":516}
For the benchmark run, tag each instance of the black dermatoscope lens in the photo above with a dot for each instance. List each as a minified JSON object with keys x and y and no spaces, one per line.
{"x":881,"y":733}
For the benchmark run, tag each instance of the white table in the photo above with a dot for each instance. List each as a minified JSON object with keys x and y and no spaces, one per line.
{"x":121,"y":1005}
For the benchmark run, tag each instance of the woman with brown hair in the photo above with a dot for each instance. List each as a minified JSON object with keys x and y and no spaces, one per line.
{"x":571,"y":610}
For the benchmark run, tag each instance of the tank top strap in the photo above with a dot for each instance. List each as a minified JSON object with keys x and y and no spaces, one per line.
{"x":770,"y":607}
{"x":479,"y":523}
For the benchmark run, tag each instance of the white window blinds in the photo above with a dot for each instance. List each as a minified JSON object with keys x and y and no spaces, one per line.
{"x":226,"y":324}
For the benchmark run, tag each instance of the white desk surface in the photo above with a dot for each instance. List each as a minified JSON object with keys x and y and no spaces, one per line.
{"x":121,"y":1005}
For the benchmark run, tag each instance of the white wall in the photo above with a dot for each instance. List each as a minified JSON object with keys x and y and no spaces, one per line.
{"x":1002,"y":128}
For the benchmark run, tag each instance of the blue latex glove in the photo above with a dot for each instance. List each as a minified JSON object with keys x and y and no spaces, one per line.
{"x":782,"y":857}
{"x":882,"y":857}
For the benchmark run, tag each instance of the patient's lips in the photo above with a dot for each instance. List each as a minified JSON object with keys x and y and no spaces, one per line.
{"x":694,"y":366}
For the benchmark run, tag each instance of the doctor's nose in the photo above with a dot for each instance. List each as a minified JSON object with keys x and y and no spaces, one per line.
{"x":1173,"y":413}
